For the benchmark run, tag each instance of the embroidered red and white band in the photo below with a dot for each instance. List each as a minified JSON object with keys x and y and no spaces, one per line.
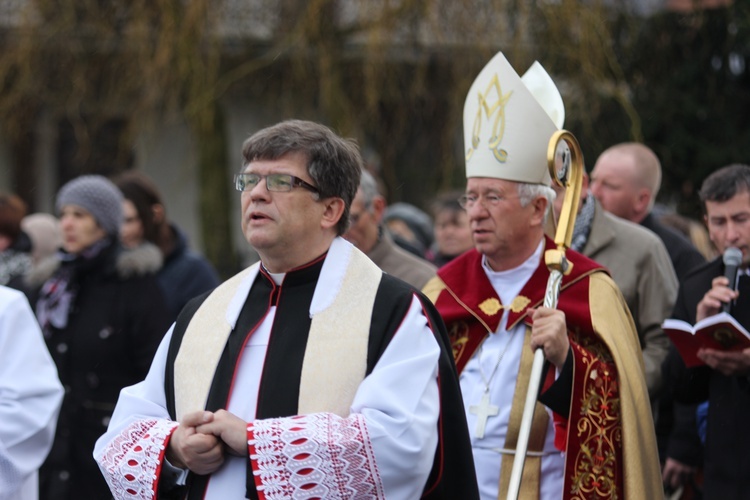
{"x":320,"y":455}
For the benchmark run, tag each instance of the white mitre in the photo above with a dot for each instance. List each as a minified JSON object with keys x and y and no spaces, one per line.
{"x":508,"y":122}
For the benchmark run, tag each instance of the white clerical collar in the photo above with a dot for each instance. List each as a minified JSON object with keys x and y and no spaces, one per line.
{"x":276,"y":277}
{"x":508,"y":283}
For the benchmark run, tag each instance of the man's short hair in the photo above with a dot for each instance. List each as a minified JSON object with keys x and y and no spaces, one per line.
{"x":528,"y":192}
{"x":334,"y":163}
{"x":725,"y":183}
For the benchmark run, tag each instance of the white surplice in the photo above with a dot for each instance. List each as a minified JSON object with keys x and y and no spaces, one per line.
{"x":30,"y":398}
{"x":394,"y":423}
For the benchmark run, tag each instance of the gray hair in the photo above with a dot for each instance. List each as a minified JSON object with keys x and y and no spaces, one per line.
{"x":529,"y":192}
{"x":369,"y":187}
{"x":334,"y":163}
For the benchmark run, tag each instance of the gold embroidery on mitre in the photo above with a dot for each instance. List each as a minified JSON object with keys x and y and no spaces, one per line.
{"x":491,"y":306}
{"x":498,"y":126}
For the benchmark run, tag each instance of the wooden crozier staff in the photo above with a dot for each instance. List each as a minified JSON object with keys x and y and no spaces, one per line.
{"x":565,"y":162}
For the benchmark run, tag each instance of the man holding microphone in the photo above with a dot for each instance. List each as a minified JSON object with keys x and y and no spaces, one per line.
{"x":725,"y":379}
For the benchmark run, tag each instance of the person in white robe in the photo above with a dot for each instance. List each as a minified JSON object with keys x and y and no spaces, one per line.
{"x":30,"y":398}
{"x":311,"y":374}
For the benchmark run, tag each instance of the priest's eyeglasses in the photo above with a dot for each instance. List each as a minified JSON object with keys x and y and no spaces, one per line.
{"x":278,"y":183}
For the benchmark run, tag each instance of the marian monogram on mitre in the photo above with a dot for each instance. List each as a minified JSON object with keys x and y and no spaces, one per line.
{"x":492,"y":105}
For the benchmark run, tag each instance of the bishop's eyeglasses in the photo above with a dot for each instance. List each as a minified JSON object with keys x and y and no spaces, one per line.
{"x":467,"y":201}
{"x":278,"y":183}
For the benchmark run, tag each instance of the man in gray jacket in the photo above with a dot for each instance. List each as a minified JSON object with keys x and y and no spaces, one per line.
{"x":641,"y":268}
{"x":367,"y":233}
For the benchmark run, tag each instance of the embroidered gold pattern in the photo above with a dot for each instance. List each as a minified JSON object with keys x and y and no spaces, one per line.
{"x":458,"y":334}
{"x":598,"y":431}
{"x":519,"y":303}
{"x":594,"y":347}
{"x":491,"y":306}
{"x":497,"y":108}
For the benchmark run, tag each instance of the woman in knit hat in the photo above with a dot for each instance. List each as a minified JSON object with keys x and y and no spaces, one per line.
{"x":103,"y":316}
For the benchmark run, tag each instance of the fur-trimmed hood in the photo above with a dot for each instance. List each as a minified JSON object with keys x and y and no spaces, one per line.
{"x":143,"y":260}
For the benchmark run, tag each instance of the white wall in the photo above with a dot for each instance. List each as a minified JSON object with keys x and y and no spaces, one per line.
{"x":168,"y":155}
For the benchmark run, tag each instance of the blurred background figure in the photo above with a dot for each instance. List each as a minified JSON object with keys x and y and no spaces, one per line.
{"x":695,"y":231}
{"x":452,"y":229}
{"x":410,"y":228}
{"x":45,"y":234}
{"x":638,"y":263}
{"x":30,"y":397}
{"x":368,"y":233}
{"x":103,"y":315}
{"x":184,"y":273}
{"x":15,"y":245}
{"x":626,"y":180}
{"x":721,"y":471}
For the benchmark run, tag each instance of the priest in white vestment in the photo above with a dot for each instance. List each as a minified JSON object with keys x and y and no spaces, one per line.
{"x":30,"y":398}
{"x":311,"y":374}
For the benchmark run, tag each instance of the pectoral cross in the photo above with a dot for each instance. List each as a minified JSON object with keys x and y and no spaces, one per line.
{"x":483,"y":411}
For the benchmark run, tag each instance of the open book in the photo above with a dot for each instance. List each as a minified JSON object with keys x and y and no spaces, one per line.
{"x":721,"y":332}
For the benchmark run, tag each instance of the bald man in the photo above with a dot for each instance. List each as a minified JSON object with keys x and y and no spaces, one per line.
{"x":626,"y":180}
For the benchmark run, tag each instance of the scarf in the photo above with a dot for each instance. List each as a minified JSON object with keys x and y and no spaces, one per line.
{"x":582,"y":227}
{"x":13,"y":264}
{"x":59,"y":291}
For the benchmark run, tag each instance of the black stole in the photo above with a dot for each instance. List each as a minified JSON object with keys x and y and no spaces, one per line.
{"x":453,"y":469}
{"x":279,"y":389}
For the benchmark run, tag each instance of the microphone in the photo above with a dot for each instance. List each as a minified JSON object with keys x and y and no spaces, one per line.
{"x":732,"y":261}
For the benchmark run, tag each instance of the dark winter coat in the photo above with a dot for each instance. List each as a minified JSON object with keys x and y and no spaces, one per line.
{"x":726,"y":461}
{"x":115,"y":324}
{"x":184,"y":275}
{"x":681,"y":252}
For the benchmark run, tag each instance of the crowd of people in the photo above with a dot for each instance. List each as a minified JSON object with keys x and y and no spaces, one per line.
{"x":376,"y":350}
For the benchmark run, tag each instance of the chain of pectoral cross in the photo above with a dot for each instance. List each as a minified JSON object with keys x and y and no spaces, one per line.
{"x":484,"y":409}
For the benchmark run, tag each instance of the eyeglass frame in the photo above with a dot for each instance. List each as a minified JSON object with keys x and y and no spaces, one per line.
{"x":466,"y":202}
{"x":354,"y":218}
{"x":293,"y":182}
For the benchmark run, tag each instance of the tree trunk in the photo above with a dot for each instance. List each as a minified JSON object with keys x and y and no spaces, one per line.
{"x":215,"y":196}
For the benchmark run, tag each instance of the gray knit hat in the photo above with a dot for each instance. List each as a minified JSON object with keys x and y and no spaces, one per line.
{"x":98,"y":196}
